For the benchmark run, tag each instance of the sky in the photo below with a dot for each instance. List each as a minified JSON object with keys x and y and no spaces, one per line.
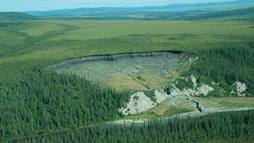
{"x":31,"y":5}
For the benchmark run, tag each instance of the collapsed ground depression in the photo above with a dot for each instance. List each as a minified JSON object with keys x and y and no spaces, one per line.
{"x":136,"y":71}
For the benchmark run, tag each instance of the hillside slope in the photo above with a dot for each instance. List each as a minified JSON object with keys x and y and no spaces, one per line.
{"x":177,"y":11}
{"x":14,"y":16}
{"x":246,"y":13}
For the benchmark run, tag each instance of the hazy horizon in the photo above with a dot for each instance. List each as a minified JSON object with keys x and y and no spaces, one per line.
{"x":38,"y":5}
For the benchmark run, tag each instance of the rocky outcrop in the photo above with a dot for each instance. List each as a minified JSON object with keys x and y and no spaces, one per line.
{"x":239,"y":88}
{"x":195,"y":90}
{"x":139,"y":102}
{"x":160,"y":96}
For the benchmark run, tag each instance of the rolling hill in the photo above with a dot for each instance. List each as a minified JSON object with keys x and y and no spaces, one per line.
{"x":177,"y":11}
{"x":243,"y":14}
{"x":14,"y":16}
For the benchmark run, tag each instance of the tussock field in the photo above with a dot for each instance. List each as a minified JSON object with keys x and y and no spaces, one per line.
{"x":37,"y":40}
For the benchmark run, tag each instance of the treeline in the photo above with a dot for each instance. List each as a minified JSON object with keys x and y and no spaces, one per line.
{"x":226,"y":66}
{"x":231,"y":127}
{"x":41,"y":101}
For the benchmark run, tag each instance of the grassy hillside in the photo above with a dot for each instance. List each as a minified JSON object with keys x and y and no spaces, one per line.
{"x":99,"y":37}
{"x":14,"y":16}
{"x":243,"y":14}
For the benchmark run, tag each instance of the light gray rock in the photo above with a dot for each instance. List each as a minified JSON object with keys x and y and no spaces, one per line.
{"x":195,"y":91}
{"x":138,"y":103}
{"x":240,"y":88}
{"x":160,"y":96}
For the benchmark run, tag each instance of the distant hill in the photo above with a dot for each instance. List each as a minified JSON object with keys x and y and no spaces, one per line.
{"x":14,"y":16}
{"x":177,"y":11}
{"x":243,"y":14}
{"x":235,"y":14}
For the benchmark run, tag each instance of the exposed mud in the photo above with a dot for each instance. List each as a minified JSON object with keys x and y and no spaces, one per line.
{"x":135,"y":71}
{"x":114,"y":57}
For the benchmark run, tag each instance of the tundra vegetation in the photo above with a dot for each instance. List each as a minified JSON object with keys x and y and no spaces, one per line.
{"x":40,"y":105}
